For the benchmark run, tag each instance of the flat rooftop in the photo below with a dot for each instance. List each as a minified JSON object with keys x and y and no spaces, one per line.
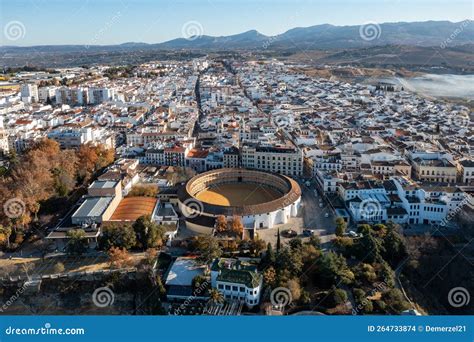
{"x":183,"y":272}
{"x":103,"y":184}
{"x":93,"y":207}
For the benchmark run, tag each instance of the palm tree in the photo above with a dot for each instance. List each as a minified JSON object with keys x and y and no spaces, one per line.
{"x":216,"y":296}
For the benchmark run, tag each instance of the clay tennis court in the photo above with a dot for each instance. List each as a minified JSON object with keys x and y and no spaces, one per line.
{"x":238,"y":194}
{"x":131,"y":208}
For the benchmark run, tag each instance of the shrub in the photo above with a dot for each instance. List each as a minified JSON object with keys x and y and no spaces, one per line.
{"x":339,"y":296}
{"x":59,"y":267}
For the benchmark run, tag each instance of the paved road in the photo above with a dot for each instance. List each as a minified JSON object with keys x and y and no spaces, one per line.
{"x":314,"y":215}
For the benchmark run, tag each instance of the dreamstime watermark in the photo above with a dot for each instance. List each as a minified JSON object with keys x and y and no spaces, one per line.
{"x":281,"y":297}
{"x":455,"y":33}
{"x":199,"y":290}
{"x":192,"y":208}
{"x":13,"y":298}
{"x":370,"y":209}
{"x":103,"y":297}
{"x":378,"y":287}
{"x":14,"y":208}
{"x":46,"y":330}
{"x":282,"y":121}
{"x":270,"y":41}
{"x":14,"y":30}
{"x":192,"y":30}
{"x":458,"y":297}
{"x":108,"y":24}
{"x":370,"y":31}
{"x":453,"y":212}
{"x":459,"y":120}
{"x":105,"y":119}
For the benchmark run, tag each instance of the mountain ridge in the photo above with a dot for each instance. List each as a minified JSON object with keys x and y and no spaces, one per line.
{"x":321,"y":36}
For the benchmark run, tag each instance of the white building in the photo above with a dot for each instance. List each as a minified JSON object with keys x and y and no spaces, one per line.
{"x":45,"y":93}
{"x":72,"y":96}
{"x":75,"y":137}
{"x":400,"y":200}
{"x":237,"y":279}
{"x":4,"y":149}
{"x":99,"y":95}
{"x":466,"y":168}
{"x":29,"y":92}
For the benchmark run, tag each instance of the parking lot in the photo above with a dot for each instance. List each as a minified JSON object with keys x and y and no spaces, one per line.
{"x":313,"y":216}
{"x":317,"y":213}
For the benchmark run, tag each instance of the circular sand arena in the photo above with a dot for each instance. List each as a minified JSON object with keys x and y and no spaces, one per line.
{"x":260,"y":198}
{"x":238,"y":194}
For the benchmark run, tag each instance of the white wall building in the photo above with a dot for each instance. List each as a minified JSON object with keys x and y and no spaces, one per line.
{"x":46,"y":92}
{"x":401,"y":201}
{"x":29,"y":92}
{"x":237,"y":279}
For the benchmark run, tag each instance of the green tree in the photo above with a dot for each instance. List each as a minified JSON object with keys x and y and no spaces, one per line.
{"x":315,"y":241}
{"x":296,"y":244}
{"x":332,"y":269}
{"x":340,"y":226}
{"x":365,"y":273}
{"x":365,"y":305}
{"x":114,"y":235}
{"x":387,"y":274}
{"x":368,"y":248}
{"x":394,"y":246}
{"x":339,"y":296}
{"x":156,"y":236}
{"x":268,"y":258}
{"x":149,"y":234}
{"x":344,"y":245}
{"x":309,"y":254}
{"x":395,"y":300}
{"x":208,"y":248}
{"x":143,"y":190}
{"x":289,"y":260}
{"x":77,"y":243}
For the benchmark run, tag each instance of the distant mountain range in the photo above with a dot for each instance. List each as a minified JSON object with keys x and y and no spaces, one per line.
{"x":428,"y":33}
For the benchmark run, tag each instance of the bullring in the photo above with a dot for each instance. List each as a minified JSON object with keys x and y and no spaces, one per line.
{"x":261,"y":199}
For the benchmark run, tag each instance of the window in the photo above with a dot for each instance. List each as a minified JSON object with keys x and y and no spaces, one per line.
{"x":220,"y":286}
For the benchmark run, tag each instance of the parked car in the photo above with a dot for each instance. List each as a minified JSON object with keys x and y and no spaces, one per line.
{"x":308,"y":232}
{"x":353,"y":234}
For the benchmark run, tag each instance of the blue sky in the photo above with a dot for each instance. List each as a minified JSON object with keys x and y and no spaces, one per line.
{"x":117,"y":21}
